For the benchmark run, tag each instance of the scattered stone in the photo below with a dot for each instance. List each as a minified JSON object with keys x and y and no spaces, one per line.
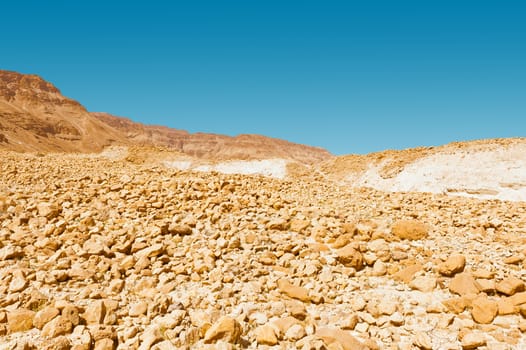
{"x":138,"y":309}
{"x":60,"y":325}
{"x":95,"y":312}
{"x":410,"y":229}
{"x":337,"y":338}
{"x":473,"y":340}
{"x":406,"y":274}
{"x":293,"y":291}
{"x":423,"y":284}
{"x":181,"y":230}
{"x":350,"y":257}
{"x":463,"y":284}
{"x":453,"y":265}
{"x":265,"y":335}
{"x":510,"y":286}
{"x":226,"y":329}
{"x":422,"y":341}
{"x":484,"y":310}
{"x":20,"y":320}
{"x":295,"y":333}
{"x":44,"y":316}
{"x":18,"y":282}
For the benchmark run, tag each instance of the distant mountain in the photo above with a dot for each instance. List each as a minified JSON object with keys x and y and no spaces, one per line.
{"x":213,"y":146}
{"x":35,"y":116}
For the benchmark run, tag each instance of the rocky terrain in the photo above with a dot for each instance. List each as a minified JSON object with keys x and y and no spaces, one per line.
{"x":118,"y":235}
{"x":104,"y":253}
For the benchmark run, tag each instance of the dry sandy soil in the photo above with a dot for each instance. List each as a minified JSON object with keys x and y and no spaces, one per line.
{"x":110,"y":251}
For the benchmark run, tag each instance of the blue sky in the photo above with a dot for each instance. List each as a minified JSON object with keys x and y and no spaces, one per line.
{"x":349,"y":76}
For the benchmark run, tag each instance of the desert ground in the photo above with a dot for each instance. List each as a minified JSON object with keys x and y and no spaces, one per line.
{"x":105,"y":252}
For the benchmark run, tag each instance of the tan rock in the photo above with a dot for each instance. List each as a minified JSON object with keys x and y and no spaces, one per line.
{"x":337,"y":337}
{"x":410,"y":229}
{"x":282,"y":325}
{"x":58,"y":343}
{"x":151,"y":335}
{"x":406,"y":274}
{"x":350,"y":257}
{"x":295,"y":333}
{"x":137,"y":309}
{"x":278,"y":224}
{"x":104,"y":344}
{"x":226,"y":329}
{"x":71,"y":313}
{"x":473,"y":340}
{"x":18,"y":282}
{"x":296,"y":309}
{"x":44,"y":316}
{"x":298,"y":225}
{"x":181,"y":230}
{"x":455,"y":305}
{"x":95,"y":312}
{"x":463,"y":284}
{"x":453,"y":265}
{"x":484,"y":310}
{"x":293,"y":291}
{"x":57,"y":326}
{"x":423,"y":283}
{"x":265,"y":335}
{"x":20,"y":320}
{"x":506,"y":307}
{"x":350,"y":322}
{"x":48,"y":210}
{"x":510,"y":286}
{"x":422,"y":341}
{"x":165,"y":345}
{"x":486,"y":286}
{"x":10,"y":252}
{"x":342,"y":240}
{"x":518,"y":298}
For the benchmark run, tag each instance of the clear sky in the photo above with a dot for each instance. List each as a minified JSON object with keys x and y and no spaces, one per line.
{"x":349,"y":76}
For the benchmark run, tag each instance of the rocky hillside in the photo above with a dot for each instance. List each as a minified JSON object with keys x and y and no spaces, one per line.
{"x":112,"y":254}
{"x":35,"y":116}
{"x":491,"y":169}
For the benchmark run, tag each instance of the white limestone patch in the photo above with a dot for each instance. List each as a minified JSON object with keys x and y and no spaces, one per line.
{"x":275,"y":168}
{"x":499,"y":173}
{"x":179,"y":164}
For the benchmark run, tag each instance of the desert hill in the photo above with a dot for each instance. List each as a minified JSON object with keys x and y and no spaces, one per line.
{"x":35,"y":116}
{"x":213,"y":146}
{"x":494,"y":168}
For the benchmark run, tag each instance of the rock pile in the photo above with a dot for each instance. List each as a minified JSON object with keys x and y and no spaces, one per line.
{"x":98,"y":254}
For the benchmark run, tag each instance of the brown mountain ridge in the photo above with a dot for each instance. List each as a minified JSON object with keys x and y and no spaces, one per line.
{"x":35,"y":116}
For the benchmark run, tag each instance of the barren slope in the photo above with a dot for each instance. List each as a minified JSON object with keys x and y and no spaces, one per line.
{"x":485,"y":169}
{"x":34,"y":116}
